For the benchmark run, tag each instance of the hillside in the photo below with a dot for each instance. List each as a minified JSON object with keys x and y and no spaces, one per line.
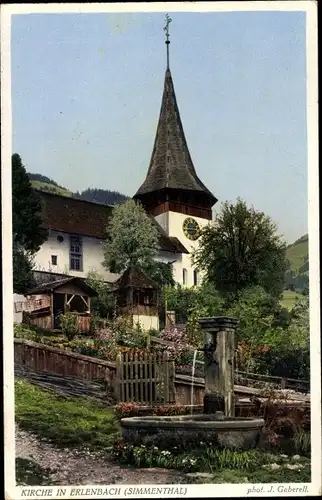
{"x":297,"y":253}
{"x":103,"y":196}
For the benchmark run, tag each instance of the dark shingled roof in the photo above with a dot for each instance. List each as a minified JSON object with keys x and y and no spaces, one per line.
{"x":171,"y":166}
{"x":134,"y":277}
{"x":54,"y":285}
{"x":70,"y":215}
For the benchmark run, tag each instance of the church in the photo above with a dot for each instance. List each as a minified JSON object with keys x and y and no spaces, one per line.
{"x":172,"y":195}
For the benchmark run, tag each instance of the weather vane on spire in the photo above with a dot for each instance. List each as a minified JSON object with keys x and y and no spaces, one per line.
{"x":168,"y":20}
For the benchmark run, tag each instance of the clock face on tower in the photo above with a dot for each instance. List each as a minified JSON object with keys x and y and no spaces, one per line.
{"x":191,"y":229}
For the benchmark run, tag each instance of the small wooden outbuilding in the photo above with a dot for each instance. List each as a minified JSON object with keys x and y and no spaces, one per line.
{"x":137,"y":296}
{"x":46,"y":302}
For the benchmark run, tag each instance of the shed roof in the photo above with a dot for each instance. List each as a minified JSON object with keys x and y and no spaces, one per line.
{"x":52,"y":286}
{"x":134,"y":277}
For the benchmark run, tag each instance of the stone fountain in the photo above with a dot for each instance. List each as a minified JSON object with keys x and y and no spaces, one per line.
{"x":217,"y":425}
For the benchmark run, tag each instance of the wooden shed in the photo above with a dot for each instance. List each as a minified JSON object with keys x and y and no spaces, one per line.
{"x":137,"y":296}
{"x":46,"y":302}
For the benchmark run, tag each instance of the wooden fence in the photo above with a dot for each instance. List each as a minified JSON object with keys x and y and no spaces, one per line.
{"x":172,"y":387}
{"x":145,"y":378}
{"x":42,"y":358}
{"x":257,"y":379}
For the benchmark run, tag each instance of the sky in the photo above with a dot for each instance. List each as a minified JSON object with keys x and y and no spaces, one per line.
{"x":87,"y":88}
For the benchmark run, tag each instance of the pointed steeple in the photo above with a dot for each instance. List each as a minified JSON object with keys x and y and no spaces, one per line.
{"x":171,"y":169}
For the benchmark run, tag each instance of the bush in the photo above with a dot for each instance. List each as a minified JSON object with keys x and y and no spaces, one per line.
{"x":177,"y":336}
{"x":190,"y":304}
{"x":121,"y":332}
{"x":154,"y":333}
{"x":105,"y":344}
{"x":187,"y":370}
{"x":103,"y":305}
{"x":287,"y":363}
{"x":68,"y":323}
{"x":277,"y":361}
{"x":132,"y":339}
{"x":95,"y":322}
{"x":185,"y":357}
{"x":85,"y":348}
{"x":286,"y":426}
{"x":302,"y":442}
{"x":25,"y":332}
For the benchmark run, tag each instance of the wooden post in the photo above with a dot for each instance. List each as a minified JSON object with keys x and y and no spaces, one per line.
{"x":219,"y":363}
{"x":137,"y":396}
{"x":65,"y":303}
{"x":126,"y":363}
{"x":170,"y":318}
{"x":52,"y":310}
{"x":172,"y":387}
{"x":118,"y":378}
{"x":166,"y":378}
{"x":151,"y":376}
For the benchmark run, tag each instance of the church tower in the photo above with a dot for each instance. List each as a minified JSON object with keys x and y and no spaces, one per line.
{"x":172,"y":192}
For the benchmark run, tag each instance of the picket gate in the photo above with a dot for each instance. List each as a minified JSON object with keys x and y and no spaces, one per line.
{"x":146,"y":378}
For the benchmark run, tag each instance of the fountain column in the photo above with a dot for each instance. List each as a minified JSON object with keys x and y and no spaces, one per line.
{"x":219,"y":350}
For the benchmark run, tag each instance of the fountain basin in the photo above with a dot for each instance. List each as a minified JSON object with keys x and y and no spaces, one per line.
{"x":190,"y":430}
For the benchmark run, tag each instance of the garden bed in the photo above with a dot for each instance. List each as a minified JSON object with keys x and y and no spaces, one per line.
{"x":206,"y":464}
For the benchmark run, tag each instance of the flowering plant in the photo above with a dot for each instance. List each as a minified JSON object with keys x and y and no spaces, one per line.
{"x":179,"y":347}
{"x":170,"y":410}
{"x":152,"y":456}
{"x":105,"y":343}
{"x":187,"y":370}
{"x":176,"y":334}
{"x":124,"y":410}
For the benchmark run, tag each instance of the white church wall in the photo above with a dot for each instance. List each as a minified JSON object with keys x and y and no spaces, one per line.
{"x":175,"y":224}
{"x":93,"y":256}
{"x":163,"y":220}
{"x":175,"y":259}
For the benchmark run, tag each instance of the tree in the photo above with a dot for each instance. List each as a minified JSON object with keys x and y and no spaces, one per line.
{"x":23,"y":278}
{"x":104,"y":196}
{"x":197,"y":301}
{"x":132,"y":238}
{"x":242,"y":249}
{"x":28,"y":232}
{"x":160,"y":272}
{"x":256,"y":312}
{"x":300,"y":322}
{"x":104,"y":304}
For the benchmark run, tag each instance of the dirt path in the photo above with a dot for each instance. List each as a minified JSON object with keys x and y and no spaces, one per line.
{"x":69,"y":467}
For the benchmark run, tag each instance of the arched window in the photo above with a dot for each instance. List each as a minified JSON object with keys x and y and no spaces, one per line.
{"x":195,"y":277}
{"x":184,"y":276}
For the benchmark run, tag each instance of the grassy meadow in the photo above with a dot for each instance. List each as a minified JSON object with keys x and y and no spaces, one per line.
{"x":45,"y":186}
